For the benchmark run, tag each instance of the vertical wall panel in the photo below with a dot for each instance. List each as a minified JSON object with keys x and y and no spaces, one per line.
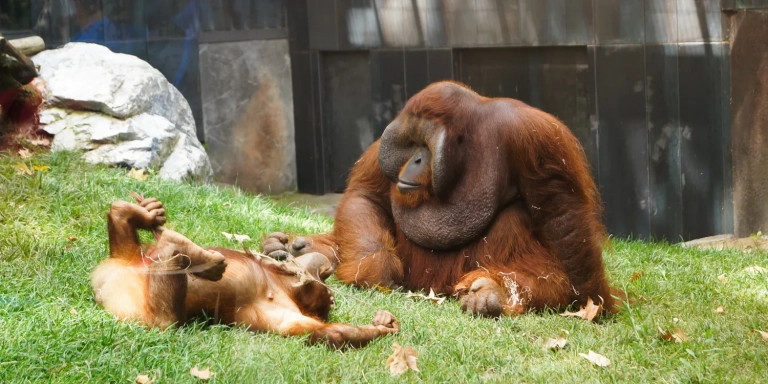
{"x":310,"y":159}
{"x":661,"y":21}
{"x":387,"y":89}
{"x":619,"y":21}
{"x":416,"y":71}
{"x":543,"y":21}
{"x":702,"y":151}
{"x":440,"y":63}
{"x":346,"y":113}
{"x":579,"y":23}
{"x":323,"y":24}
{"x":663,"y":108}
{"x":623,"y":139}
{"x":700,"y":21}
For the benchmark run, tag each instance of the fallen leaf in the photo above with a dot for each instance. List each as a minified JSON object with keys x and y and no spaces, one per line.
{"x":25,"y":153}
{"x":555,"y":344}
{"x":241,"y":238}
{"x":675,"y":334}
{"x":763,"y":334}
{"x":238,"y":238}
{"x":143,"y":379}
{"x":637,"y":275}
{"x":432,"y":296}
{"x":755,"y":270}
{"x":22,"y":169}
{"x":204,"y":374}
{"x":401,"y":360}
{"x":41,"y":168}
{"x":720,"y":310}
{"x":383,"y":288}
{"x":137,"y":174}
{"x":71,"y":238}
{"x":675,"y":320}
{"x":596,"y":358}
{"x":722,"y":278}
{"x":587,"y":312}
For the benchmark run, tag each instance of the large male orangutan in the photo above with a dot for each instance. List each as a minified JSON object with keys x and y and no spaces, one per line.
{"x":166,"y":283}
{"x":488,"y":199}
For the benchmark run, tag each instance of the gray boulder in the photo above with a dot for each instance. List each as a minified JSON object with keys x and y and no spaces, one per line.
{"x":120,"y":111}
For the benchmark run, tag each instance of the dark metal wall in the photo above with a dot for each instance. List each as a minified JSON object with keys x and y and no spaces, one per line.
{"x":644,"y":85}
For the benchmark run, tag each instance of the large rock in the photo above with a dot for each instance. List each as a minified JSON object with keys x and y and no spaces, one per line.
{"x":120,"y":111}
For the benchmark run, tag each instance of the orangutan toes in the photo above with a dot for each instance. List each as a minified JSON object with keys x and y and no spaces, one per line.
{"x":484,"y":298}
{"x":386,"y":321}
{"x":276,"y":246}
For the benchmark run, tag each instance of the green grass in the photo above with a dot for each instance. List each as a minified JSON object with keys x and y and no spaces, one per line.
{"x":53,"y":232}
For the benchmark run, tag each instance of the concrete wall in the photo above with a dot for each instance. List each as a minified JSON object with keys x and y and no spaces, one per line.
{"x":248,"y":113}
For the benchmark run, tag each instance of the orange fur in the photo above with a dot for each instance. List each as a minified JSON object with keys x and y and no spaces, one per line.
{"x":175,"y":279}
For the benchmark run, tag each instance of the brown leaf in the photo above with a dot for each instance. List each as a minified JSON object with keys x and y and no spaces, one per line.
{"x":763,"y":334}
{"x":383,"y":288}
{"x":555,"y":344}
{"x":587,"y":312}
{"x":675,"y":334}
{"x":137,"y":174}
{"x":71,"y":238}
{"x":401,"y":360}
{"x":720,"y":310}
{"x":143,"y":379}
{"x":637,"y":275}
{"x":596,"y":358}
{"x":25,"y":153}
{"x":22,"y":169}
{"x":204,"y":374}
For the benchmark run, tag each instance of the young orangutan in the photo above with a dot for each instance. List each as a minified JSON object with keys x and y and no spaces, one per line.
{"x":175,"y":279}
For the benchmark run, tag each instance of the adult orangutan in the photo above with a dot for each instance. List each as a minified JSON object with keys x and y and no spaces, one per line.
{"x":166,"y":283}
{"x":488,"y":199}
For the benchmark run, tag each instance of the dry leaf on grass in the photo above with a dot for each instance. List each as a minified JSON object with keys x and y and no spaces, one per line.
{"x":22,"y":169}
{"x":675,"y":334}
{"x":143,"y":379}
{"x":722,"y":278}
{"x":25,"y":153}
{"x":587,"y":312}
{"x":71,"y":238}
{"x":719,"y":310}
{"x":238,"y":238}
{"x":432,"y":296}
{"x":137,"y":174}
{"x":637,"y":275}
{"x":763,"y":334}
{"x":755,"y":270}
{"x":204,"y":374}
{"x":555,"y":344}
{"x":596,"y":358}
{"x":402,"y":359}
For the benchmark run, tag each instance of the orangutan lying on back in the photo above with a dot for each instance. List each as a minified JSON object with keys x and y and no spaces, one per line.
{"x":175,"y":279}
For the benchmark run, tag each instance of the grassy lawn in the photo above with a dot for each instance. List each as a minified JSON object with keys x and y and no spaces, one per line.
{"x":53,"y":232}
